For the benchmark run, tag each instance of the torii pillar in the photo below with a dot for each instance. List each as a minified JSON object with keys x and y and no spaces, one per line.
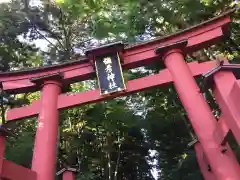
{"x":68,"y":173}
{"x":203,"y":163}
{"x":3,"y":134}
{"x":225,"y":83}
{"x":199,"y":113}
{"x":44,"y":155}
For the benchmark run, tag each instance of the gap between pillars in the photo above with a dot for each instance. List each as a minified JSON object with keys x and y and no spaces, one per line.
{"x":45,"y":147}
{"x":224,"y":166}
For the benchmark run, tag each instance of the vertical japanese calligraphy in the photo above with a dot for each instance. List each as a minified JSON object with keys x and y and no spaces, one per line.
{"x":109,"y":72}
{"x":110,"y":75}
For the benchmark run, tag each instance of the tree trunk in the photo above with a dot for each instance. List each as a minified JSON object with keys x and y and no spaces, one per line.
{"x":118,"y":161}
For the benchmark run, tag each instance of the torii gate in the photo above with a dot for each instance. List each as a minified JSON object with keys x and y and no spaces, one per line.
{"x":215,"y":157}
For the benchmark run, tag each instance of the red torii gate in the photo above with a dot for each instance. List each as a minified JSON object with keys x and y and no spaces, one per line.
{"x":8,"y":169}
{"x":215,"y":157}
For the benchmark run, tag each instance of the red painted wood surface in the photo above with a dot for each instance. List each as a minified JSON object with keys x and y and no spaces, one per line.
{"x":203,"y":163}
{"x":69,"y":175}
{"x":225,"y":82}
{"x":12,"y":171}
{"x":2,"y":150}
{"x":198,"y":36}
{"x":234,"y":102}
{"x":92,"y":96}
{"x":224,"y":166}
{"x":45,"y":150}
{"x":221,"y":130}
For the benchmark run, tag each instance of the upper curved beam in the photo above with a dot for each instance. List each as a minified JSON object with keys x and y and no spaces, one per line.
{"x":92,"y":96}
{"x":199,"y":36}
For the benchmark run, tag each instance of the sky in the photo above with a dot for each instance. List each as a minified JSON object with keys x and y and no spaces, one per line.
{"x":41,"y":43}
{"x":4,"y":1}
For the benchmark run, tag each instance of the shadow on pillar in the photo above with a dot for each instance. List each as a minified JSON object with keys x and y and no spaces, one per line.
{"x":68,"y":173}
